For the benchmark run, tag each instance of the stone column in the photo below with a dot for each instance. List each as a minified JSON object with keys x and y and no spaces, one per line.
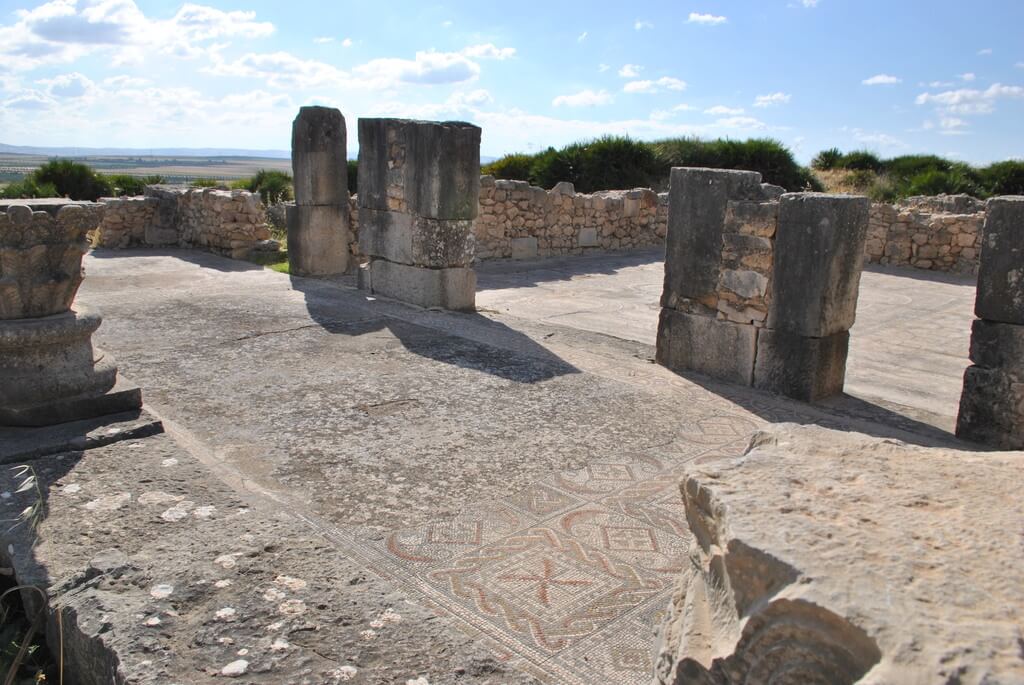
{"x":419,"y":187}
{"x":318,"y":224}
{"x":760,"y":287}
{"x":49,"y":371}
{"x":819,"y":256}
{"x":992,"y":403}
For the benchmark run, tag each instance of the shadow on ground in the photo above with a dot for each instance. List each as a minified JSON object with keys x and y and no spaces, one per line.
{"x":507,"y":273}
{"x":507,"y":353}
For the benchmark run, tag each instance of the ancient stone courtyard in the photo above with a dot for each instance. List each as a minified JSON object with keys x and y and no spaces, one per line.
{"x":349,"y":488}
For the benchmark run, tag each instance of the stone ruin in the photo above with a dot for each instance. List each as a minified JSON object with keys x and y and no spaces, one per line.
{"x":419,"y":188}
{"x":49,"y":370}
{"x":760,"y":286}
{"x":992,"y":404}
{"x":318,"y":224}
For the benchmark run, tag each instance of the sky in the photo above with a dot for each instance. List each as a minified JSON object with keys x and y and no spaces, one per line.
{"x":893,"y":76}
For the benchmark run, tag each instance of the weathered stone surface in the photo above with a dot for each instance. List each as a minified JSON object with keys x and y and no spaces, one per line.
{"x":830,"y":557}
{"x":1001,"y":275}
{"x":524,"y":248}
{"x":698,"y":199}
{"x":453,"y":288}
{"x":319,"y":166}
{"x":806,"y":369}
{"x":819,"y":247}
{"x":992,"y":408}
{"x":318,"y":239}
{"x":407,"y":239}
{"x":998,"y":346}
{"x":720,"y":349}
{"x":427,"y":168}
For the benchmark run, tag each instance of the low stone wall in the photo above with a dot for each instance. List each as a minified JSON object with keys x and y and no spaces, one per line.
{"x":521,"y":221}
{"x":940,"y":233}
{"x":221,"y":221}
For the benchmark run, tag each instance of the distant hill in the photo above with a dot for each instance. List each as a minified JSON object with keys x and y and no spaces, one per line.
{"x":140,"y":152}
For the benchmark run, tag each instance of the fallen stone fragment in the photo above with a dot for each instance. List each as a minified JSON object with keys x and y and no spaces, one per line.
{"x":831,"y":557}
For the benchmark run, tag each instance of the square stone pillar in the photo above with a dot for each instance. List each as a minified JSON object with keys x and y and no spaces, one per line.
{"x":318,"y":224}
{"x":992,"y":402}
{"x":419,"y":187}
{"x":818,"y":260}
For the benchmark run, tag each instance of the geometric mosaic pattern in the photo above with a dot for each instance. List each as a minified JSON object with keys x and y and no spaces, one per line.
{"x":567,"y":579}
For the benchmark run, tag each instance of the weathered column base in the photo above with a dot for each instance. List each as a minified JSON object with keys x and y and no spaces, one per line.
{"x":716,"y":348}
{"x":453,"y":288}
{"x":50,"y":373}
{"x":318,"y":238}
{"x":803,"y":368}
{"x":992,"y":409}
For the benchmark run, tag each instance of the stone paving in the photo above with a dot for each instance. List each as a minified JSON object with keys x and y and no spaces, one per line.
{"x":514,"y":470}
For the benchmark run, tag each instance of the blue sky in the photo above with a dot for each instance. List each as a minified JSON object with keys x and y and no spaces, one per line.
{"x":897,"y":77}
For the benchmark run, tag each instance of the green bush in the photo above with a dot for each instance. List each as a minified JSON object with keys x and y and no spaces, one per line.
{"x":353,"y":176}
{"x":127,"y":185}
{"x":272,"y":186}
{"x":908,"y":166}
{"x":1003,"y":178}
{"x":513,"y":167}
{"x":861,"y":160}
{"x":827,"y":159}
{"x":770,"y":158}
{"x":73,"y":180}
{"x":28,"y":188}
{"x":960,"y":178}
{"x":206,"y":183}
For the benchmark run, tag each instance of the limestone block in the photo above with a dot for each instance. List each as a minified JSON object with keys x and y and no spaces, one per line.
{"x":319,"y":166}
{"x":445,"y":288}
{"x":406,"y":239}
{"x":806,"y":369}
{"x":819,"y":248}
{"x":431,"y":169}
{"x":588,"y":238}
{"x":752,"y":218}
{"x":1001,"y":276}
{"x":992,"y":408}
{"x":828,"y":558}
{"x":698,"y":199}
{"x":998,"y":346}
{"x":720,"y":349}
{"x":524,"y":248}
{"x":318,"y":239}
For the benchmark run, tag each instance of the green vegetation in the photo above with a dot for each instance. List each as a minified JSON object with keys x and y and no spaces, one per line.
{"x":28,"y":188}
{"x":206,"y":183}
{"x":77,"y":181}
{"x":125,"y":184}
{"x":617,"y":162}
{"x":272,"y":186}
{"x":908,"y":175}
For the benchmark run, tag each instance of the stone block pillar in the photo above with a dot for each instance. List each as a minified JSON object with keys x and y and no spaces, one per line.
{"x":992,"y":403}
{"x":760,"y":286}
{"x":419,"y":187}
{"x":318,"y":224}
{"x":49,"y":370}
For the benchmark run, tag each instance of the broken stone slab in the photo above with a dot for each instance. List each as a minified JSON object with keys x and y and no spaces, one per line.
{"x":524,"y":248}
{"x":716,"y":348}
{"x":26,"y":443}
{"x":998,"y":346}
{"x":417,"y":241}
{"x":426,"y":168}
{"x":992,"y":408}
{"x":319,"y":164}
{"x":818,"y":258}
{"x":318,"y":237}
{"x":698,"y":199}
{"x":828,"y":557}
{"x":453,"y":288}
{"x":1001,"y":275}
{"x":164,"y":574}
{"x":805,"y":369}
{"x":589,"y":238}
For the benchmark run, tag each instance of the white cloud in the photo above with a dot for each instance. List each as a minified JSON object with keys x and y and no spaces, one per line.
{"x":706,"y":19}
{"x":722,"y":110}
{"x":280,"y":70}
{"x":969,"y":76}
{"x":584,"y":98}
{"x":937,"y":84}
{"x":30,"y":100}
{"x":741,"y":123}
{"x":883,"y":140}
{"x":124,"y":81}
{"x":447,"y":23}
{"x":72,"y":85}
{"x":1019,"y":65}
{"x":966,"y":101}
{"x":984,"y":52}
{"x":882,"y":80}
{"x":646,"y":86}
{"x":809,"y":3}
{"x":323,"y":39}
{"x":347,"y":43}
{"x":427,"y":68}
{"x":582,"y":37}
{"x":629,"y":70}
{"x":641,"y":24}
{"x":684,"y":108}
{"x":772,"y":99}
{"x":488,"y":51}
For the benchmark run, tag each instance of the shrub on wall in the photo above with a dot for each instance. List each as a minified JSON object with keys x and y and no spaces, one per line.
{"x":28,"y":188}
{"x":126,"y":185}
{"x":1004,"y":178}
{"x":513,"y":167}
{"x":73,"y":180}
{"x":272,"y":186}
{"x":770,"y":158}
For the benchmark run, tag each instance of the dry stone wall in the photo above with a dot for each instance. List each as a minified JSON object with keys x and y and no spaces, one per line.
{"x":940,"y":233}
{"x":226,"y":222}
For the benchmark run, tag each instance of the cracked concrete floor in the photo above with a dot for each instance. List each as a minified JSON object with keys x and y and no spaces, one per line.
{"x":514,"y":470}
